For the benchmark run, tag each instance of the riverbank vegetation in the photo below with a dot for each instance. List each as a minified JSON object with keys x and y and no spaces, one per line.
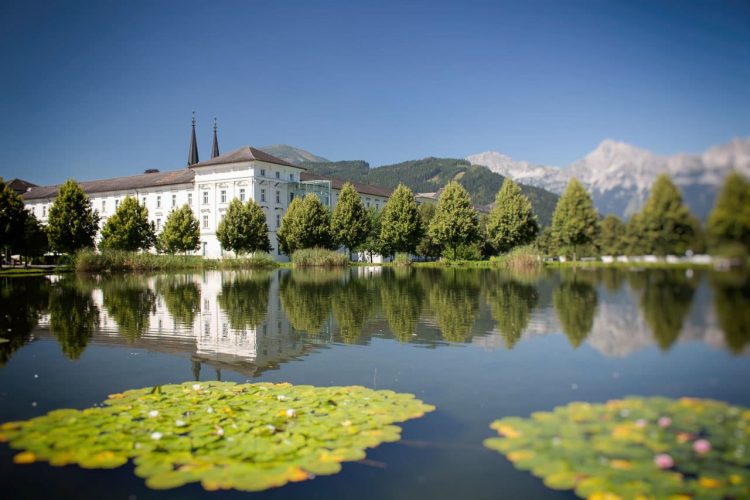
{"x":120,"y":260}
{"x":319,"y":257}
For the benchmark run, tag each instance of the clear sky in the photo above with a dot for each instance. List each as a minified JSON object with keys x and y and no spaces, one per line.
{"x":106,"y":88}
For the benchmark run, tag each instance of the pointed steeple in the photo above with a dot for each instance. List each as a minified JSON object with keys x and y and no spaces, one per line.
{"x":215,"y":149}
{"x":193,"y":151}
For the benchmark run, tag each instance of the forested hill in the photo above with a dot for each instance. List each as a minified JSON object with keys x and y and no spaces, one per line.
{"x":431,"y":174}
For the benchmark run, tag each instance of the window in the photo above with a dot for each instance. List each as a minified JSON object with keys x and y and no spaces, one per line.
{"x":190,"y":199}
{"x":291,"y":177}
{"x":205,"y":197}
{"x":117,"y":203}
{"x":205,"y":222}
{"x":223,"y":195}
{"x":278,"y":175}
{"x":262,"y":195}
{"x":278,"y":221}
{"x":174,"y":200}
{"x":158,"y":202}
{"x":143,"y":201}
{"x":242,"y":194}
{"x":44,"y":211}
{"x":291,"y":197}
{"x":158,"y":224}
{"x":104,"y":206}
{"x":278,"y":196}
{"x":377,"y":206}
{"x":262,"y":172}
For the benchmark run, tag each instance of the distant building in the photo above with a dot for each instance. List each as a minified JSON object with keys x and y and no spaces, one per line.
{"x":208,"y":187}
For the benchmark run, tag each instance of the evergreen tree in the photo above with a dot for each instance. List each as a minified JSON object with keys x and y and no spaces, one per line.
{"x":455,"y":222}
{"x":72,"y":223}
{"x":306,"y":224}
{"x":181,"y":232}
{"x":128,"y":229}
{"x":612,"y":236}
{"x":13,"y":217}
{"x":666,"y":224}
{"x":574,"y":222}
{"x":401,"y":226}
{"x":729,"y":221}
{"x":512,"y":221}
{"x":350,"y":222}
{"x":244,"y":228}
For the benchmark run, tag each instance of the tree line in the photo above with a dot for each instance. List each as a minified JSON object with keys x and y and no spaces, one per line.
{"x":452,"y":228}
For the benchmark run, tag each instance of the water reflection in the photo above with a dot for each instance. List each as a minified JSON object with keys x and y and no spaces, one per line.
{"x":253,"y":321}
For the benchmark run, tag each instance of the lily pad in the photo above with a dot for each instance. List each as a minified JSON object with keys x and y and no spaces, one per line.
{"x":634,"y":448}
{"x":224,"y":435}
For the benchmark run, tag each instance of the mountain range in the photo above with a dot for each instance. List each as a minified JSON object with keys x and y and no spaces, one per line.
{"x":619,"y":176}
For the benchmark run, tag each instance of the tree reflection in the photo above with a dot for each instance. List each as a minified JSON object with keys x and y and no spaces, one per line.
{"x":73,"y":316}
{"x":306,"y":297}
{"x":611,"y":278}
{"x":351,"y":308}
{"x":130,"y":302}
{"x":511,"y":304}
{"x":666,"y":300}
{"x":22,"y":302}
{"x":575,"y":301}
{"x":454,"y":298}
{"x":731,"y":299}
{"x":182,"y":297}
{"x":402,"y":298}
{"x":244,"y":299}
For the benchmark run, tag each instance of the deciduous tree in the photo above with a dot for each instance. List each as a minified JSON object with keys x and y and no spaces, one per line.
{"x":350,"y":222}
{"x":456,"y":222}
{"x":128,"y":228}
{"x":612,"y":236}
{"x":574,"y":222}
{"x":401,"y":225}
{"x":72,"y":223}
{"x":512,"y":221}
{"x":306,"y":224}
{"x":729,"y":221}
{"x":181,"y":232}
{"x":244,"y":228}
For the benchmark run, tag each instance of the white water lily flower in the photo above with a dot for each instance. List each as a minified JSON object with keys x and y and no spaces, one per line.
{"x":290,"y":412}
{"x":210,"y":410}
{"x":179,"y":423}
{"x":153,"y":413}
{"x":219,"y":431}
{"x":281,"y":397}
{"x":156,"y":436}
{"x":270,"y":427}
{"x":196,"y":387}
{"x":346,"y":423}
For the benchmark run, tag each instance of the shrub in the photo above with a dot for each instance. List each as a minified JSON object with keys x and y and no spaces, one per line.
{"x":118,"y":260}
{"x":525,"y":258}
{"x":319,"y":257}
{"x":255,"y":261}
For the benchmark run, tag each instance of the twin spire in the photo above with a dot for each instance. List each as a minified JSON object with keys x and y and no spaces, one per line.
{"x":193,"y":150}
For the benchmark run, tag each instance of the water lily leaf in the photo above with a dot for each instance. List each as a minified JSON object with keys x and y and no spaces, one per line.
{"x":249,"y":437}
{"x":634,"y":448}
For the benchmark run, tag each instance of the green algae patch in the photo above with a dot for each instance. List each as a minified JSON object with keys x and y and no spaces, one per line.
{"x":634,"y":448}
{"x":224,"y":435}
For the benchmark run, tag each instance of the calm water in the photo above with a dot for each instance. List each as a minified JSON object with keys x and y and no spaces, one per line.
{"x":478,"y":344}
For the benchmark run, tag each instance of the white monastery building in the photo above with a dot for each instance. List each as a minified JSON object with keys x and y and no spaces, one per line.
{"x":208,"y":187}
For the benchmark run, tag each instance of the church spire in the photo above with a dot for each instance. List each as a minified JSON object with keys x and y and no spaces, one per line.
{"x":215,"y":149}
{"x":193,"y":151}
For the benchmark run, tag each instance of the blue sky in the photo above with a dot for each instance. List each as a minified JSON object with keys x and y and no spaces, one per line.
{"x":99,"y":89}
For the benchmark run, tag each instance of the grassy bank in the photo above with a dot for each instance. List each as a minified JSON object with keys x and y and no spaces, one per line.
{"x":319,"y":257}
{"x":119,"y":261}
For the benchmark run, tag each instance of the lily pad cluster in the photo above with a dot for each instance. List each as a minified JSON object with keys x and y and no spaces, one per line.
{"x":224,"y":435}
{"x":634,"y":448}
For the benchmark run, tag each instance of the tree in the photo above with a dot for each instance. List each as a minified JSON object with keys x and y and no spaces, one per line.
{"x":373,"y":244}
{"x":427,"y":246}
{"x":729,"y":221}
{"x":72,"y":223}
{"x":35,"y":241}
{"x":245,"y":299}
{"x":667,"y":226}
{"x":128,"y":229}
{"x":181,"y":232}
{"x":244,"y":228}
{"x":575,"y":301}
{"x":512,"y":221}
{"x":350,"y":222}
{"x":401,"y":226}
{"x":13,"y":216}
{"x":306,"y":224}
{"x":455,"y":222}
{"x":574,"y":222}
{"x":612,"y":236}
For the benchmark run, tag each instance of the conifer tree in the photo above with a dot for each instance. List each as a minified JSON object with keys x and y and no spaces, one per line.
{"x":729,"y":221}
{"x":574,"y":222}
{"x":350,"y":222}
{"x":244,"y":228}
{"x":612,"y":236}
{"x":181,"y":232}
{"x":306,"y":224}
{"x":666,"y":224}
{"x":456,"y":222}
{"x":401,"y":225}
{"x":72,"y":223}
{"x":512,"y":221}
{"x":128,"y":229}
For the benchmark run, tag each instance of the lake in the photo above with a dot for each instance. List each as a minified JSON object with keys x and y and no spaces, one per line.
{"x":478,"y":344}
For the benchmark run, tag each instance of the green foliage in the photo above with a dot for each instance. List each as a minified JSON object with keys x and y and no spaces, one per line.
{"x":633,"y":448}
{"x":666,"y":299}
{"x":373,"y":244}
{"x":129,"y":302}
{"x":181,"y":232}
{"x":13,"y":218}
{"x":729,"y":221}
{"x":244,"y":299}
{"x":575,"y":302}
{"x":731,"y":298}
{"x":306,"y":224}
{"x":427,"y":246}
{"x":350,"y":222}
{"x":455,"y":222}
{"x":248,"y":437}
{"x":351,"y":308}
{"x":665,"y":225}
{"x":512,"y":303}
{"x":34,"y":242}
{"x":611,"y":239}
{"x":181,"y":296}
{"x":512,"y":221}
{"x":319,"y":257}
{"x":306,"y":296}
{"x":243,"y":229}
{"x":455,"y":302}
{"x":402,"y":297}
{"x":117,"y":260}
{"x":128,"y":229}
{"x":524,"y":259}
{"x":574,"y":222}
{"x":402,"y":259}
{"x":73,"y":317}
{"x":401,"y":225}
{"x":72,"y":223}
